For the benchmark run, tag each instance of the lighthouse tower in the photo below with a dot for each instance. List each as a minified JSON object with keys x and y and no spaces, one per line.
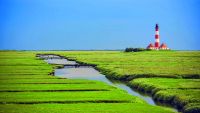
{"x":157,"y":42}
{"x":157,"y":37}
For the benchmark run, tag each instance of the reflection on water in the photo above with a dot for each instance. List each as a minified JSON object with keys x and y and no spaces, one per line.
{"x":148,"y":99}
{"x":90,"y":73}
{"x":81,"y":73}
{"x":60,"y":61}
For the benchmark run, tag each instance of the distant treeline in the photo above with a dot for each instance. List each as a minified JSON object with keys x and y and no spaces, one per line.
{"x":134,"y":49}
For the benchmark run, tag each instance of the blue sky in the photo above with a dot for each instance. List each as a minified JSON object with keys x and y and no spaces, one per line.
{"x":98,"y":24}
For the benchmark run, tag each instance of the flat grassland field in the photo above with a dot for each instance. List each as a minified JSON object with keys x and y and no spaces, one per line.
{"x":173,"y":64}
{"x":170,"y":76}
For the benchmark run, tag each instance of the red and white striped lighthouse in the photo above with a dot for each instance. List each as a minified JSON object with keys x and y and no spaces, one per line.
{"x":157,"y":43}
{"x":157,"y":37}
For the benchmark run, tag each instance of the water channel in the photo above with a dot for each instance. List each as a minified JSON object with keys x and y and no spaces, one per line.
{"x":89,"y":73}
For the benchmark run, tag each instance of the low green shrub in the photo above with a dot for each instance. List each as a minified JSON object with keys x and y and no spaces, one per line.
{"x":134,"y":49}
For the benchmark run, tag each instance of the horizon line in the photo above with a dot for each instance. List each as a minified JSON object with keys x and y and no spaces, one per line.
{"x":75,"y":50}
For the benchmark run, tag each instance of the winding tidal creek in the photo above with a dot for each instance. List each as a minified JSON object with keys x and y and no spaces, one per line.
{"x":72,"y":70}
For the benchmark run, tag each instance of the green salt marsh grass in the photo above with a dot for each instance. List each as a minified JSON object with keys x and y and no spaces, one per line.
{"x":180,"y":92}
{"x":69,"y":97}
{"x":83,"y":108}
{"x":4,"y":87}
{"x":27,"y":87}
{"x":50,"y":81}
{"x":121,"y":65}
{"x":167,"y":83}
{"x":154,"y":68}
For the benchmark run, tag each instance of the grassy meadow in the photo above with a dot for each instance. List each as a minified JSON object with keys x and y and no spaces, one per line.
{"x":169,"y":76}
{"x":180,"y":92}
{"x":27,"y":87}
{"x":121,"y":65}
